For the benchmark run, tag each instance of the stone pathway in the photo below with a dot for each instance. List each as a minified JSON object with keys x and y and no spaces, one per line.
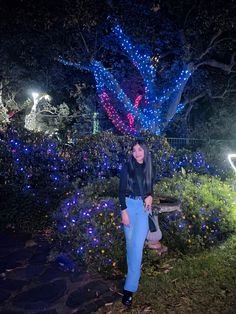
{"x":29,"y":284}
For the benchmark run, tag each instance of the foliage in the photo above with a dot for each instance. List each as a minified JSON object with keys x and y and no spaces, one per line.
{"x":208,"y":211}
{"x":88,"y":230}
{"x":33,"y":179}
{"x":177,"y":32}
{"x":32,"y":162}
{"x":99,"y":156}
{"x":215,"y":119}
{"x":4,"y":118}
{"x":199,"y":283}
{"x":217,"y":153}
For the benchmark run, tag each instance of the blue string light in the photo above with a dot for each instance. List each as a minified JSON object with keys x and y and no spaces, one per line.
{"x":153,"y":116}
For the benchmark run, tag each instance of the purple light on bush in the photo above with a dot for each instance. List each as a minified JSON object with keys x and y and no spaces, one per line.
{"x":80,"y":250}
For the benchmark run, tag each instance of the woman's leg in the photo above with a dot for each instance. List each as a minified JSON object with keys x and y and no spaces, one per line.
{"x":135,"y":235}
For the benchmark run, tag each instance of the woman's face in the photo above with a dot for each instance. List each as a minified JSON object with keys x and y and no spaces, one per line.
{"x":138,"y":153}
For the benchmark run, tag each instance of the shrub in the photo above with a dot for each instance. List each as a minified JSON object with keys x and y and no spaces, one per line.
{"x":33,"y":179}
{"x":39,"y":172}
{"x":208,"y":211}
{"x":88,"y":228}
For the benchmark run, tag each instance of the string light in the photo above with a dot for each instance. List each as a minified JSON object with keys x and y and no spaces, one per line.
{"x":154,"y":116}
{"x":25,"y":154}
{"x":230,"y":156}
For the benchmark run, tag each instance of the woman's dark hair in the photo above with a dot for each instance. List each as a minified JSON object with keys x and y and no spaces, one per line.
{"x":147,"y":171}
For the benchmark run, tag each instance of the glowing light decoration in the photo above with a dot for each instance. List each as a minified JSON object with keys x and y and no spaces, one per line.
{"x":31,"y":118}
{"x":114,"y":116}
{"x":131,"y":120}
{"x":143,"y":62}
{"x":130,"y":117}
{"x":160,"y":105}
{"x":105,"y":79}
{"x":137,"y":101}
{"x":230,"y":156}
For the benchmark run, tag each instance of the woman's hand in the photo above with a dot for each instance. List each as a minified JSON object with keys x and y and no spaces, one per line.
{"x":148,"y":202}
{"x":125,"y":217}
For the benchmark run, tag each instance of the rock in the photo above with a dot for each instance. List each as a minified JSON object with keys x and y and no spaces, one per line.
{"x":91,"y":307}
{"x":42,"y":296}
{"x":10,"y":312}
{"x":81,"y":276}
{"x":20,"y":255}
{"x":86,"y":293}
{"x":30,"y":243}
{"x":11,"y":284}
{"x":52,"y":311}
{"x":4,"y":295}
{"x":13,"y":239}
{"x":52,"y":273}
{"x":6,"y":264}
{"x":38,"y":258}
{"x":34,"y":270}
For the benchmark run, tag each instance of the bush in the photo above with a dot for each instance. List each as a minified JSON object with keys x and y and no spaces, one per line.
{"x":88,"y":228}
{"x":39,"y":172}
{"x":33,"y":180}
{"x":208,"y":211}
{"x":100,"y":156}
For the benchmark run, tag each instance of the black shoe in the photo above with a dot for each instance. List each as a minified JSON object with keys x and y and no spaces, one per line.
{"x":127,"y":298}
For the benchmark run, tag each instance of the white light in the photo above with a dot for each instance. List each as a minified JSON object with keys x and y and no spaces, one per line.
{"x":35,"y":95}
{"x":230,"y":156}
{"x":47,"y":97}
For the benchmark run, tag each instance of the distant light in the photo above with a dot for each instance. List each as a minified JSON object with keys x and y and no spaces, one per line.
{"x":35,"y":95}
{"x":47,"y":97}
{"x":231,"y":162}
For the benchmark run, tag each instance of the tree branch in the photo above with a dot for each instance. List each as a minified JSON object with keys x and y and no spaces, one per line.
{"x":209,"y":47}
{"x":85,"y":44}
{"x":220,"y":65}
{"x":188,"y":14}
{"x":191,"y":103}
{"x":187,"y":101}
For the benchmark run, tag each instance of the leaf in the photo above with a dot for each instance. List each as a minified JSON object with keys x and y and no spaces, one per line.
{"x":183,"y":171}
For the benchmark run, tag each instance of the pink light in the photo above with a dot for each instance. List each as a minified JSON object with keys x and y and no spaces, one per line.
{"x":130,"y":117}
{"x":137,"y":101}
{"x":113,"y":115}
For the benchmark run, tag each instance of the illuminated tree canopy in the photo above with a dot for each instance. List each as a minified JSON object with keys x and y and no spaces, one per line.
{"x":199,"y":37}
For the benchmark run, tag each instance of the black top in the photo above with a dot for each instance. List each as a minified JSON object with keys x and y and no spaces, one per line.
{"x":123,"y":184}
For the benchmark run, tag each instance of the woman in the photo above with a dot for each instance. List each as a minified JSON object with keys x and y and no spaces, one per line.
{"x":135,"y":195}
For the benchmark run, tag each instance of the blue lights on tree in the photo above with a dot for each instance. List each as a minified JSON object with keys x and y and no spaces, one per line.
{"x":160,"y":105}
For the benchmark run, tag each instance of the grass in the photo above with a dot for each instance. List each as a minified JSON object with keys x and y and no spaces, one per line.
{"x":197,"y":284}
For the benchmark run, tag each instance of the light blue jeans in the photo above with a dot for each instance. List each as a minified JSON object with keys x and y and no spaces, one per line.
{"x":135,"y":235}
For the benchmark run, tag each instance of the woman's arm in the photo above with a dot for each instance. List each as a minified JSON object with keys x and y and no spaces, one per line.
{"x":122,"y":195}
{"x":123,"y":187}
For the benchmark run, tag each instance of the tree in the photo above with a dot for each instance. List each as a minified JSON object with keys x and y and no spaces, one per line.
{"x":176,"y":47}
{"x":196,"y":35}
